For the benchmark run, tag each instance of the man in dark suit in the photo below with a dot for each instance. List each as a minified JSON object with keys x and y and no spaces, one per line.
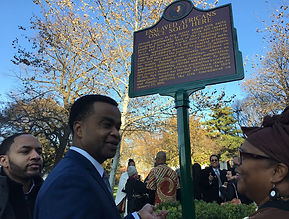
{"x":212,"y":178}
{"x":76,"y":187}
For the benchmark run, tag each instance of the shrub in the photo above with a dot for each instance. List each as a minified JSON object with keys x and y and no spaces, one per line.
{"x":205,"y":210}
{"x":174,"y":209}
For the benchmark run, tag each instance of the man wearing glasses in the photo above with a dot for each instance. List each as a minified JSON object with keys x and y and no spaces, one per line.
{"x":212,"y":178}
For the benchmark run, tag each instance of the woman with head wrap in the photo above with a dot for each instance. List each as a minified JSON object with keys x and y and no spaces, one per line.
{"x":264,"y":167}
{"x":137,"y":194}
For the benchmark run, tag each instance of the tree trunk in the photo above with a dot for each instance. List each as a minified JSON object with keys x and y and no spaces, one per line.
{"x":115,"y":162}
{"x":114,"y":167}
{"x":62,"y":145}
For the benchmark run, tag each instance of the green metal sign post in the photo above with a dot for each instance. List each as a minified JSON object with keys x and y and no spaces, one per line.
{"x":187,"y":49}
{"x":182,"y":106}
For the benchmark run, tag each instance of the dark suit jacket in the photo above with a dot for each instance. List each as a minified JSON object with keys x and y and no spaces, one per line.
{"x":13,"y":202}
{"x":211,"y":190}
{"x":75,"y":190}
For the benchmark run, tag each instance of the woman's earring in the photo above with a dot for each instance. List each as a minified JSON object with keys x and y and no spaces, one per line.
{"x":274,"y":193}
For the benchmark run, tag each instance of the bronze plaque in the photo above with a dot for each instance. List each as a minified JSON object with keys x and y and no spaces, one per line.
{"x":186,"y":48}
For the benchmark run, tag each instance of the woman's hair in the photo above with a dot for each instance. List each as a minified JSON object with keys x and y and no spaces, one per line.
{"x":130,"y":161}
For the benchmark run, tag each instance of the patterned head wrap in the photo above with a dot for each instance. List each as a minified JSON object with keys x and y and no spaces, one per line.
{"x":273,"y":137}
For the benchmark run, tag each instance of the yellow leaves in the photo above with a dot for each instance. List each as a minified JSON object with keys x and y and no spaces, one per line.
{"x":37,"y":2}
{"x":205,"y":3}
{"x":47,"y":2}
{"x":81,"y":36}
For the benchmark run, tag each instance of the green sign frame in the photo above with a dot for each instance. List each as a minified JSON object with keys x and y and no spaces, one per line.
{"x":187,"y":83}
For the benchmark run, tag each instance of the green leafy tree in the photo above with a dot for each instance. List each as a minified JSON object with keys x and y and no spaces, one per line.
{"x":45,"y":119}
{"x":222,"y":127}
{"x":201,"y":145}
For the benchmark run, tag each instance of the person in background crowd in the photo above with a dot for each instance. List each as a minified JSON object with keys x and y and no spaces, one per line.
{"x":20,"y":181}
{"x":236,"y":162}
{"x":263,"y":174}
{"x":162,"y":181}
{"x":244,"y":199}
{"x":212,"y":178}
{"x":196,"y":175}
{"x":137,"y":194}
{"x":120,"y":199}
{"x":230,"y":192}
{"x":76,"y":187}
{"x":229,"y":189}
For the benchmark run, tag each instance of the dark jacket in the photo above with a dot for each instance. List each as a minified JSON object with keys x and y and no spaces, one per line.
{"x":230,"y":192}
{"x":74,"y":189}
{"x":137,"y":194}
{"x":196,"y":173}
{"x":14,"y":204}
{"x":211,"y":190}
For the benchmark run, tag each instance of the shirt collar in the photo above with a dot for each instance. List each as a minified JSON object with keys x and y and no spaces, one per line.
{"x":94,"y":162}
{"x":33,"y":185}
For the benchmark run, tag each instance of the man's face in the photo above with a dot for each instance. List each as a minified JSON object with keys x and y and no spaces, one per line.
{"x":23,"y":160}
{"x":98,"y":133}
{"x":214,"y":162}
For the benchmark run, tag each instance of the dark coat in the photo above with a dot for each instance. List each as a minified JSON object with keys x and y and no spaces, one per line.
{"x":14,"y":204}
{"x":211,"y":190}
{"x":137,"y":195}
{"x":196,"y":173}
{"x":230,"y":192}
{"x":74,"y":189}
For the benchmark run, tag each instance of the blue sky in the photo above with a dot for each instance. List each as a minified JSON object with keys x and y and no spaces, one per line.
{"x":247,"y":16}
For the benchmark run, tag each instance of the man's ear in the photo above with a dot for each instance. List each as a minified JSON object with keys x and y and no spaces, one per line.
{"x":4,"y":161}
{"x":280,"y":172}
{"x":77,"y":128}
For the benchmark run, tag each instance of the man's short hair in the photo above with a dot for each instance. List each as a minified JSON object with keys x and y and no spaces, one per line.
{"x":83,"y":106}
{"x":162,"y":156}
{"x":7,"y":142}
{"x":214,"y":155}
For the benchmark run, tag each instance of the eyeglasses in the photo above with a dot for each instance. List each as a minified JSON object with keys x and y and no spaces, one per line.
{"x":243,"y":154}
{"x":214,"y":160}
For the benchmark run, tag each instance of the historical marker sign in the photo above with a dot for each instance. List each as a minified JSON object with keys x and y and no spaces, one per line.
{"x":187,"y":48}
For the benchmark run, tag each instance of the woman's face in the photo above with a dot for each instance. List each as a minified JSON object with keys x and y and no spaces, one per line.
{"x":229,"y":175}
{"x":255,"y":174}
